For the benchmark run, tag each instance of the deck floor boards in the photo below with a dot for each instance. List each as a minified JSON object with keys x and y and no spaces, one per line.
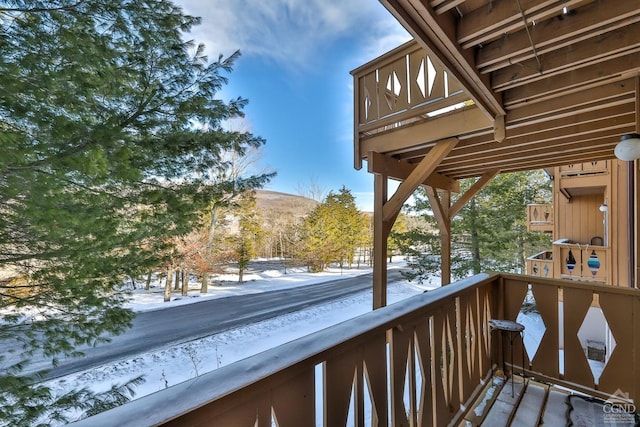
{"x":534,"y":404}
{"x":555,"y":411}
{"x":530,"y":408}
{"x":501,"y":412}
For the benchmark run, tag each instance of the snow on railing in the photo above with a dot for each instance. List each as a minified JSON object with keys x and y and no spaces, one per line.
{"x":418,"y":362}
{"x":416,"y":350}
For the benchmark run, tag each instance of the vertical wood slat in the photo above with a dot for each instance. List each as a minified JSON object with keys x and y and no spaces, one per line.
{"x":615,"y":376}
{"x":401,"y":340}
{"x":438,"y":373}
{"x":547,"y":357}
{"x":453,"y":332}
{"x":576,"y":303}
{"x":339,"y":374}
{"x":375,"y":370}
{"x":423,"y":345}
{"x":514,"y":294}
{"x":294,"y":402}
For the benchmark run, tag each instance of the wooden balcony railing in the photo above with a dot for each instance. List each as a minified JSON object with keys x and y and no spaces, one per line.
{"x":582,"y":262}
{"x":541,"y":265}
{"x":540,"y":217}
{"x":419,"y":362}
{"x":402,"y":87}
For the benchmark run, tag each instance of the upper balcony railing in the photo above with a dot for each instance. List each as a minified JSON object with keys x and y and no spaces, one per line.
{"x":418,"y":362}
{"x":401,"y":87}
{"x":540,"y":217}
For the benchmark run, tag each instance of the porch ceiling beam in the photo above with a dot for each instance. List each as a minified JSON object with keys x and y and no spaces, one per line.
{"x":571,"y":126}
{"x":559,"y":160}
{"x":472,"y":191}
{"x":550,"y":140}
{"x":438,"y":34}
{"x":552,"y":34}
{"x":541,"y":151}
{"x":489,"y":23}
{"x":575,"y":80}
{"x":577,"y":123}
{"x":583,"y":54}
{"x":425,"y":133}
{"x":589,"y":99}
{"x":401,"y":170}
{"x":442,"y":6}
{"x":602,"y":143}
{"x":417,"y":177}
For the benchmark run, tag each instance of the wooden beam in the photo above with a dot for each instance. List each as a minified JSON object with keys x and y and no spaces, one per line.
{"x":418,"y":176}
{"x":442,"y":6}
{"x":566,"y":128}
{"x":379,"y":242}
{"x":472,"y":191}
{"x":489,"y":23}
{"x":550,"y":130}
{"x":437,"y":33}
{"x":427,"y":132}
{"x":575,"y":80}
{"x":590,"y":99}
{"x":400,"y":170}
{"x":583,"y":54}
{"x":499,"y":129}
{"x":596,"y":18}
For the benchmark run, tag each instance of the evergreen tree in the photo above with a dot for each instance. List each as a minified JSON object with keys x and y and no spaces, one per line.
{"x":249,"y":232}
{"x":394,"y":241}
{"x":488,"y":234}
{"x":333,"y":231}
{"x":109,"y":121}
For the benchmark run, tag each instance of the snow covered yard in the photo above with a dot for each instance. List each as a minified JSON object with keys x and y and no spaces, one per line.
{"x":174,"y":364}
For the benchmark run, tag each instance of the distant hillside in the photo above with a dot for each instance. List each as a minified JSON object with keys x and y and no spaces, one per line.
{"x":287,"y":204}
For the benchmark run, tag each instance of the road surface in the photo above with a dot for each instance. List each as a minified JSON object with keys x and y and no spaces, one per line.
{"x":160,"y":328}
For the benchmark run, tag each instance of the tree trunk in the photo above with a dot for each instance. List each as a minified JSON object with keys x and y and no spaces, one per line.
{"x":147,"y":285}
{"x":204,"y":287}
{"x":176,"y":286}
{"x":185,"y":282}
{"x":167,"y":286}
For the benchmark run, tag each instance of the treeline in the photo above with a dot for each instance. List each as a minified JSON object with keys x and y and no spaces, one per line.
{"x":332,"y":231}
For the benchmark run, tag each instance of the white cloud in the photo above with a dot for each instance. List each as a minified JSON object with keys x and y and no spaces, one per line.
{"x":290,"y":32}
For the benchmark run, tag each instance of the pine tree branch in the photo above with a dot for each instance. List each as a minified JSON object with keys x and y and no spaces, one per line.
{"x":42,"y":9}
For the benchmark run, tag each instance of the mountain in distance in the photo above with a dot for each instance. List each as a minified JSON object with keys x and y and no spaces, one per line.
{"x":283,"y":203}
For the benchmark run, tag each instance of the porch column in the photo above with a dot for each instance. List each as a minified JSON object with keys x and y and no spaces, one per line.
{"x":381,"y":231}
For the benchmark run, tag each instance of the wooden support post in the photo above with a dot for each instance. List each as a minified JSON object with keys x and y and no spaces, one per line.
{"x":379,"y":242}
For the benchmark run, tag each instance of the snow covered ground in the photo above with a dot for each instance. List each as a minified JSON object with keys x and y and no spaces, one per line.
{"x":174,"y":364}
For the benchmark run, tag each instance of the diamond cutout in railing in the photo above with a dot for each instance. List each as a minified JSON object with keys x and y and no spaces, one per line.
{"x":351,"y":415}
{"x":534,"y":327}
{"x":419,"y":380}
{"x":470,"y":341}
{"x":406,"y":398}
{"x":367,"y":107}
{"x":420,"y":79}
{"x":596,"y":339}
{"x":535,"y":214}
{"x":274,"y":420}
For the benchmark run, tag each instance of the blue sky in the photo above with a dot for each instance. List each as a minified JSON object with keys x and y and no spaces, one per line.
{"x":294,"y":69}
